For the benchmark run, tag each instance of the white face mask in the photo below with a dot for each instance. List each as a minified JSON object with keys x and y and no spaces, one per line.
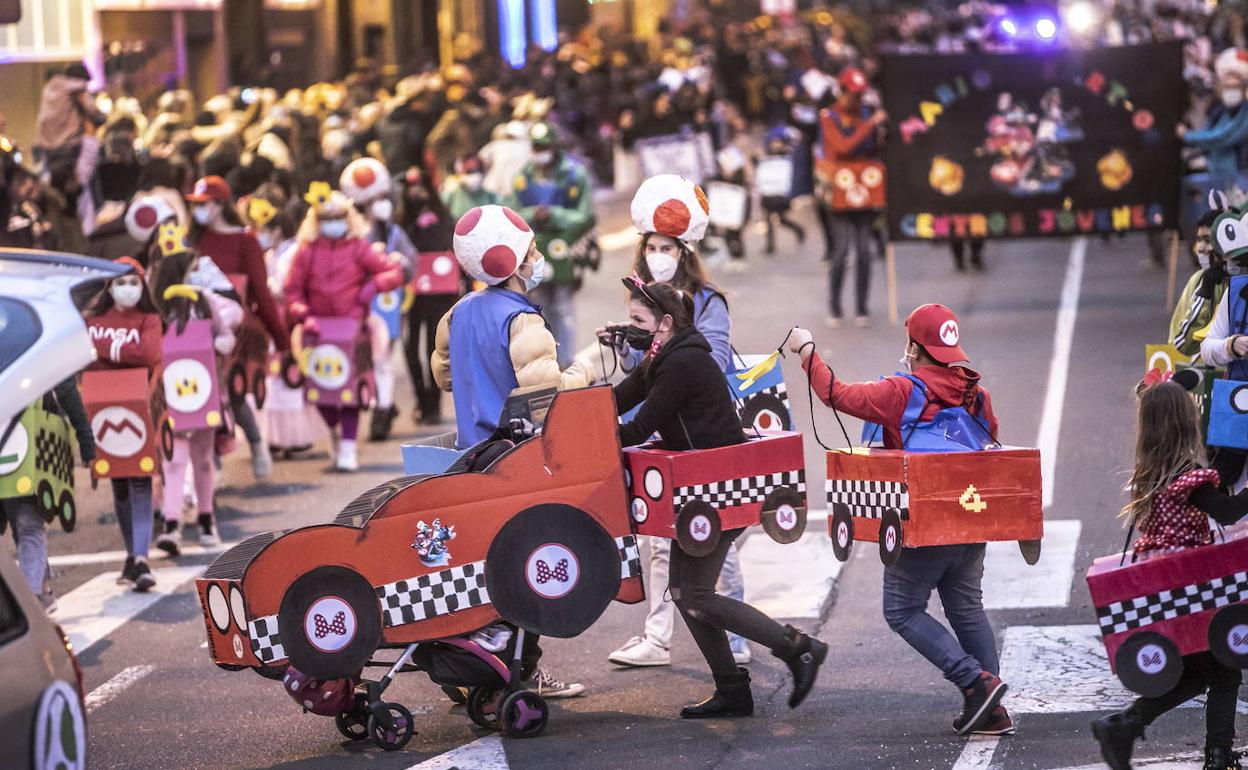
{"x":473,"y":181}
{"x":334,"y":229}
{"x":543,"y":158}
{"x":539,"y":273}
{"x":1232,"y":97}
{"x":907,"y":359}
{"x":382,"y":210}
{"x":265,"y":239}
{"x":203,"y":214}
{"x":662,"y":266}
{"x":126,"y":295}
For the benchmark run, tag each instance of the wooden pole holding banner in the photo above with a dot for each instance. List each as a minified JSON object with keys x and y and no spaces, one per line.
{"x":890,"y":267}
{"x":1172,"y":269}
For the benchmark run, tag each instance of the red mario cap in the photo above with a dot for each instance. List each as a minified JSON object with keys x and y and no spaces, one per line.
{"x":852,"y":80}
{"x":935,"y":327}
{"x":210,"y":188}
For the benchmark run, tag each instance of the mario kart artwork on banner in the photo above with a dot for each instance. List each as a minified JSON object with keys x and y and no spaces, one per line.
{"x":1048,"y":143}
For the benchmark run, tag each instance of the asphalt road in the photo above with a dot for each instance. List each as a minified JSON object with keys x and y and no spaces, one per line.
{"x":159,"y":702}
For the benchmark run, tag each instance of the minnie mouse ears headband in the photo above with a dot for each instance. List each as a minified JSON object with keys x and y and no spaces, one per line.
{"x":637,"y":286}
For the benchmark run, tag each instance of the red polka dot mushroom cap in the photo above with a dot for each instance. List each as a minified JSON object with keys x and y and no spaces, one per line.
{"x":669,"y":204}
{"x":145,"y":213}
{"x":364,"y":179}
{"x":491,"y":243}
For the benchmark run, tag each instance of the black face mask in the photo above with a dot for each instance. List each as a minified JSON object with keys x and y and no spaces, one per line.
{"x":638,"y":338}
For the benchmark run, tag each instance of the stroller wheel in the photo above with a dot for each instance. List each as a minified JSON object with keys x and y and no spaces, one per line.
{"x":395,"y":735}
{"x":353,"y":724}
{"x":524,"y":714}
{"x":483,"y":707}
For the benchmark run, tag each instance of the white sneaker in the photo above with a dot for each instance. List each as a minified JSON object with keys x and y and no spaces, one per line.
{"x":743,"y":656}
{"x":347,"y":459}
{"x":640,"y":652}
{"x":261,"y":461}
{"x":208,"y":539}
{"x":547,"y":686}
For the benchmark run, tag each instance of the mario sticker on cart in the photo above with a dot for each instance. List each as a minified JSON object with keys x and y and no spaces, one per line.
{"x":430,"y":543}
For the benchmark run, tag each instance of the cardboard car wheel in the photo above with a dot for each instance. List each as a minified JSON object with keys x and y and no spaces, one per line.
{"x":260,"y":389}
{"x":364,"y":394}
{"x":276,"y":673}
{"x":393,"y":730}
{"x":524,"y":714}
{"x":1228,"y":636}
{"x":166,"y":439}
{"x":45,"y":500}
{"x":842,"y":531}
{"x":482,"y":707}
{"x":1030,"y":550}
{"x":67,"y":511}
{"x":784,"y":515}
{"x":890,"y":536}
{"x":763,"y":411}
{"x":291,"y":376}
{"x":353,"y":724}
{"x":552,"y":570}
{"x":237,"y":382}
{"x":230,"y":667}
{"x":330,"y":622}
{"x":1149,"y":664}
{"x":697,"y":528}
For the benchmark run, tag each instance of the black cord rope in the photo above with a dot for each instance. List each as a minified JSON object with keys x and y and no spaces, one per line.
{"x":810,"y":398}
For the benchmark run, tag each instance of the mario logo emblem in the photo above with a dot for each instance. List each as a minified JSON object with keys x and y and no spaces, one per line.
{"x":971,"y":501}
{"x":13,"y":453}
{"x":60,"y":730}
{"x":786,"y":518}
{"x":188,"y":385}
{"x":238,"y":646}
{"x":430,"y":543}
{"x":328,"y":367}
{"x":890,"y":539}
{"x":700,"y":528}
{"x":842,"y":534}
{"x":949,"y":333}
{"x":330,"y":624}
{"x":1237,"y":639}
{"x":1239,"y":399}
{"x":119,"y":431}
{"x":552,"y":571}
{"x":1151,"y":659}
{"x":640,"y":510}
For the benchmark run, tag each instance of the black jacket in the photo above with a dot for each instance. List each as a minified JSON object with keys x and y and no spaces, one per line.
{"x":685,"y":398}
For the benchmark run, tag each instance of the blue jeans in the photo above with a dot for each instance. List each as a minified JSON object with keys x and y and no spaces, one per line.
{"x":31,"y":535}
{"x":955,"y":571}
{"x":132,"y":499}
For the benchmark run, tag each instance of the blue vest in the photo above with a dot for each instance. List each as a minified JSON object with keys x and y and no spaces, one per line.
{"x":1237,"y":310}
{"x":952,"y":429}
{"x":482,"y":375}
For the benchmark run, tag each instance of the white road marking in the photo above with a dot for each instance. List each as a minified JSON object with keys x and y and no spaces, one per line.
{"x":1013,"y":584}
{"x":794,"y":580}
{"x":1191,"y":760}
{"x":99,"y":606}
{"x":483,"y":754}
{"x":977,"y":753}
{"x":114,"y":687}
{"x":1059,"y":367}
{"x":105,"y":557}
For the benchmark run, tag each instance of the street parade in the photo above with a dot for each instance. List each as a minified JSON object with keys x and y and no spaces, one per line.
{"x":486,"y":384}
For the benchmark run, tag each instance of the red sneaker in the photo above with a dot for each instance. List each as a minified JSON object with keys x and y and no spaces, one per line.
{"x":997,"y":723}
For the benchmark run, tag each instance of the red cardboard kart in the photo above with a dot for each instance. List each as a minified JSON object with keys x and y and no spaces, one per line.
{"x":437,"y":272}
{"x":192,"y":391}
{"x":247,"y":365}
{"x":541,"y":538}
{"x":1155,"y":610}
{"x":124,"y":407}
{"x":693,"y":496}
{"x":338,"y":364}
{"x":903,"y":499}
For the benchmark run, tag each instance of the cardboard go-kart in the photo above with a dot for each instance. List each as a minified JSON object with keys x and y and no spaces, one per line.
{"x":124,"y":407}
{"x":694,"y":496}
{"x":907,"y":499}
{"x":247,"y":365}
{"x":540,"y":538}
{"x":193,"y":398}
{"x":37,"y":460}
{"x":1154,"y":610}
{"x":336,"y":363}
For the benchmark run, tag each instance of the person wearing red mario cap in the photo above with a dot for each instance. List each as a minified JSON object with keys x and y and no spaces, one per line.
{"x":938,"y":378}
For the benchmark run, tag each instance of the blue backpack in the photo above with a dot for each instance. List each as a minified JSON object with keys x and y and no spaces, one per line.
{"x":952,"y":429}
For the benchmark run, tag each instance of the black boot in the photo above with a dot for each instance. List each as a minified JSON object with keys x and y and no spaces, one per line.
{"x":1221,"y":759}
{"x":1117,"y":733}
{"x":383,"y":419}
{"x":732,"y":698}
{"x":803,"y":654}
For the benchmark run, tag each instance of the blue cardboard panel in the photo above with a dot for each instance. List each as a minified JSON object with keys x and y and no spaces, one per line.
{"x":1228,"y":414}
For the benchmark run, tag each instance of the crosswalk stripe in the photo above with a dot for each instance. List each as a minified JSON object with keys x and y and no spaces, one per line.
{"x":977,"y":753}
{"x":1187,"y":761}
{"x":1012,"y":584}
{"x":99,"y":606}
{"x":156,"y":555}
{"x":115,"y":686}
{"x":1059,"y":368}
{"x":790,"y":581}
{"x":483,"y":754}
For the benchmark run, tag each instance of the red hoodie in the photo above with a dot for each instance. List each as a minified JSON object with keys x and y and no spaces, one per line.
{"x":126,"y":339}
{"x":238,"y":251}
{"x":884,"y":401}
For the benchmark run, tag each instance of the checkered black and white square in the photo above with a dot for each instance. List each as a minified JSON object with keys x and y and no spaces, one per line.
{"x":439,"y":593}
{"x":777,"y":391}
{"x":630,"y":556}
{"x":869,"y":499}
{"x":751,"y":489}
{"x":1167,"y":605}
{"x":266,"y":642}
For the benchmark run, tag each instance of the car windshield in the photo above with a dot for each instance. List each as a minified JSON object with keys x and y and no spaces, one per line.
{"x":19,"y":329}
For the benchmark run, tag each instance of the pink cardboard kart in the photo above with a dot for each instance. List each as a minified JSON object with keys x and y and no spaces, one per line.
{"x":192,"y":389}
{"x":1154,"y":610}
{"x":338,"y":364}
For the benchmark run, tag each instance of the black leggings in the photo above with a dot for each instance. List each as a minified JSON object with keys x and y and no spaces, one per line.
{"x":1201,"y":672}
{"x":422,"y":323}
{"x":708,"y":615}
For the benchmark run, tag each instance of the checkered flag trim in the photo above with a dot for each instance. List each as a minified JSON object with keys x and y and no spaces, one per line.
{"x":751,"y":489}
{"x":428,"y":596}
{"x":630,"y":557}
{"x":869,"y":499}
{"x":54,"y":456}
{"x":266,"y":642}
{"x":778,"y":391}
{"x":1167,"y":605}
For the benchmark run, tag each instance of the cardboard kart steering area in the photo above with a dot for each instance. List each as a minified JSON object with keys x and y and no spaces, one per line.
{"x":540,"y":538}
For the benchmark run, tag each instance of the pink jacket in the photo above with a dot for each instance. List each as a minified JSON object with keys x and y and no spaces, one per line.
{"x":226,"y":316}
{"x":338,"y":278}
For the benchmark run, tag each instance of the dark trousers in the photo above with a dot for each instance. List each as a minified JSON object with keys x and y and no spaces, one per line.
{"x":709,"y":615}
{"x":422,"y":327}
{"x":246,"y":419}
{"x":1201,"y":673}
{"x":958,"y":247}
{"x":845,"y":229}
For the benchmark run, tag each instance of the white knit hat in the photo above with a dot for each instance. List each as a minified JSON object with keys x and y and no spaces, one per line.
{"x":364,"y":179}
{"x":491,"y":243}
{"x":669,"y":204}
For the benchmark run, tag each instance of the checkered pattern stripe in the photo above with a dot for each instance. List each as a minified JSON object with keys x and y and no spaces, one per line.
{"x":869,"y":499}
{"x":751,"y":489}
{"x":266,"y":642}
{"x":438,"y":593}
{"x":53,"y":454}
{"x":777,"y":391}
{"x":630,"y":557}
{"x":1167,"y":605}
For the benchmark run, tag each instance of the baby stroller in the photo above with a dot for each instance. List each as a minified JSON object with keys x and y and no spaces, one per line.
{"x":496,"y":700}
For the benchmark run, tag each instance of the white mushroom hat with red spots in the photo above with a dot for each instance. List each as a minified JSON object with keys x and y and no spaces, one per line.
{"x":669,"y":204}
{"x":145,"y":213}
{"x":364,"y":179}
{"x":491,"y":243}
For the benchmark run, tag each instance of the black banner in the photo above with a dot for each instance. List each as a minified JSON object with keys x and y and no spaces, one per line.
{"x":1035,"y":144}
